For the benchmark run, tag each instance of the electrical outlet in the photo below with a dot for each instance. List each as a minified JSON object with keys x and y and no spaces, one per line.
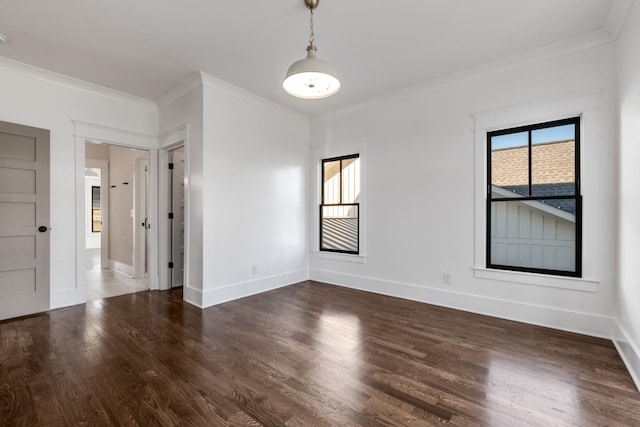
{"x":254,"y":269}
{"x":446,"y":278}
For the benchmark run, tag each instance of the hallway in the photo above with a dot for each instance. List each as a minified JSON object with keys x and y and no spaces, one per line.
{"x":105,"y":283}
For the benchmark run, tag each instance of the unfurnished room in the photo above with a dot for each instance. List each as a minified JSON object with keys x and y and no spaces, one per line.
{"x":320,"y":213}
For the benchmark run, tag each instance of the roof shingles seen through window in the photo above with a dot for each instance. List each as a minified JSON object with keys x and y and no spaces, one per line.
{"x":553,"y":171}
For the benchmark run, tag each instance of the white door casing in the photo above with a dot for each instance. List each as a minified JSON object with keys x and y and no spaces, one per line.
{"x":141,"y":222}
{"x":24,"y":220}
{"x":84,"y":132}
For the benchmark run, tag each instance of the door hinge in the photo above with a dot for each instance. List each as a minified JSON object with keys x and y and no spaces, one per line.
{"x":170,"y":215}
{"x":170,"y":165}
{"x":171,"y":264}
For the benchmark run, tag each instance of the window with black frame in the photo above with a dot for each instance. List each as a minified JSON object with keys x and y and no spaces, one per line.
{"x":534,"y":205}
{"x":339,"y":209}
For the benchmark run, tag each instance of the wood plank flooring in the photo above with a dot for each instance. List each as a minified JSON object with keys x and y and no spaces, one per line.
{"x":310,"y":354}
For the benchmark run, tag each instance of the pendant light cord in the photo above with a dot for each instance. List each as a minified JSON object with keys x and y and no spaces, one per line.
{"x":312,"y":36}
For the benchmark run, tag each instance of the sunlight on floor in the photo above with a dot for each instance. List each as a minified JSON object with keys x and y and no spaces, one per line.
{"x":105,"y":283}
{"x":525,"y":387}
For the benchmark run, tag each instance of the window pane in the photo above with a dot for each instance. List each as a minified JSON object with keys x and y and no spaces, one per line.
{"x":553,"y":155}
{"x":339,"y":228}
{"x":331,"y":185}
{"x":533,"y":234}
{"x":351,"y":180}
{"x":510,"y":164}
{"x":340,"y":189}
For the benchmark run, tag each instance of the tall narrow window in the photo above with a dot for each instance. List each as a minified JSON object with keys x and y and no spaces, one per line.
{"x":339,"y":209}
{"x":534,"y":206}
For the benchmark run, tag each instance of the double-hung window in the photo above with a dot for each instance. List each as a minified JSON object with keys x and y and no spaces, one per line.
{"x":534,"y":205}
{"x":340,"y":205}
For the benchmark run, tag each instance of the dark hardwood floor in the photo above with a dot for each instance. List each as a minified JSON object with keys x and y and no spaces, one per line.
{"x":306,"y":355}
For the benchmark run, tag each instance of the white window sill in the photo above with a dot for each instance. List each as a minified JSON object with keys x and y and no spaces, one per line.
{"x":358,"y":259}
{"x":573,"y":283}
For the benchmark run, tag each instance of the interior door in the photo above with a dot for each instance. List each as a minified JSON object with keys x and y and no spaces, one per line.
{"x":24,"y":220}
{"x":177,"y":218}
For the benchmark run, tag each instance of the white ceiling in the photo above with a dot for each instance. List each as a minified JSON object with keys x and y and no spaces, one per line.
{"x":147,"y":47}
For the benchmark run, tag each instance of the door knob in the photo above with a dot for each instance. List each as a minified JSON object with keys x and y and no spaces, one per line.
{"x":42,"y":229}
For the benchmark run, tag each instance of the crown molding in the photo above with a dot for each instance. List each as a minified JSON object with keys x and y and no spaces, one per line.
{"x":74,"y":83}
{"x":617,"y":16}
{"x":191,"y":83}
{"x":568,"y":47}
{"x":201,"y":79}
{"x":249,"y":97}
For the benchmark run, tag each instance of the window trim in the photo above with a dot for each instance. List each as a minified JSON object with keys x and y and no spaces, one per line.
{"x":330,"y":150}
{"x":585,"y":104}
{"x":577,"y":196}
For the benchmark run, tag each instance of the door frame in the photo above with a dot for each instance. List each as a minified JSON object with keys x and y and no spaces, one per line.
{"x":84,"y":132}
{"x":171,"y":140}
{"x":141,"y":216}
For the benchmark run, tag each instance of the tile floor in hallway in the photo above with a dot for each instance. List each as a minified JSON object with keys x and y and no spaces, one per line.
{"x":105,"y":283}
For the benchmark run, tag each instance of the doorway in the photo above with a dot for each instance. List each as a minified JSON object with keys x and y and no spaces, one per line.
{"x":176,"y":217}
{"x":116,"y":262}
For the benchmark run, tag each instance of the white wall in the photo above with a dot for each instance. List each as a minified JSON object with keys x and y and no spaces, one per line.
{"x":628,"y":334}
{"x":185,"y":108}
{"x":37,"y":98}
{"x":246,"y":170}
{"x":121,"y":227}
{"x":255,"y":156}
{"x":420,"y":160}
{"x":96,"y":151}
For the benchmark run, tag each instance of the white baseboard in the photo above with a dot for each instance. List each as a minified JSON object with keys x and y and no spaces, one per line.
{"x":244,"y":289}
{"x":583,"y":323}
{"x":192,"y":295}
{"x":121,"y":268}
{"x":629,"y":352}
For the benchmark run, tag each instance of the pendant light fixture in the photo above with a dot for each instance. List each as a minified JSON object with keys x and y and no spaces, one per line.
{"x":311,"y":78}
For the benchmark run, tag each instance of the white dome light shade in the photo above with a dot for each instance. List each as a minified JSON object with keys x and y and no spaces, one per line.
{"x":311,"y":78}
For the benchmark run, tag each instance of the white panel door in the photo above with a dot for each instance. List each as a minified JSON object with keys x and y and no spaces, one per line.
{"x":24,"y":220}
